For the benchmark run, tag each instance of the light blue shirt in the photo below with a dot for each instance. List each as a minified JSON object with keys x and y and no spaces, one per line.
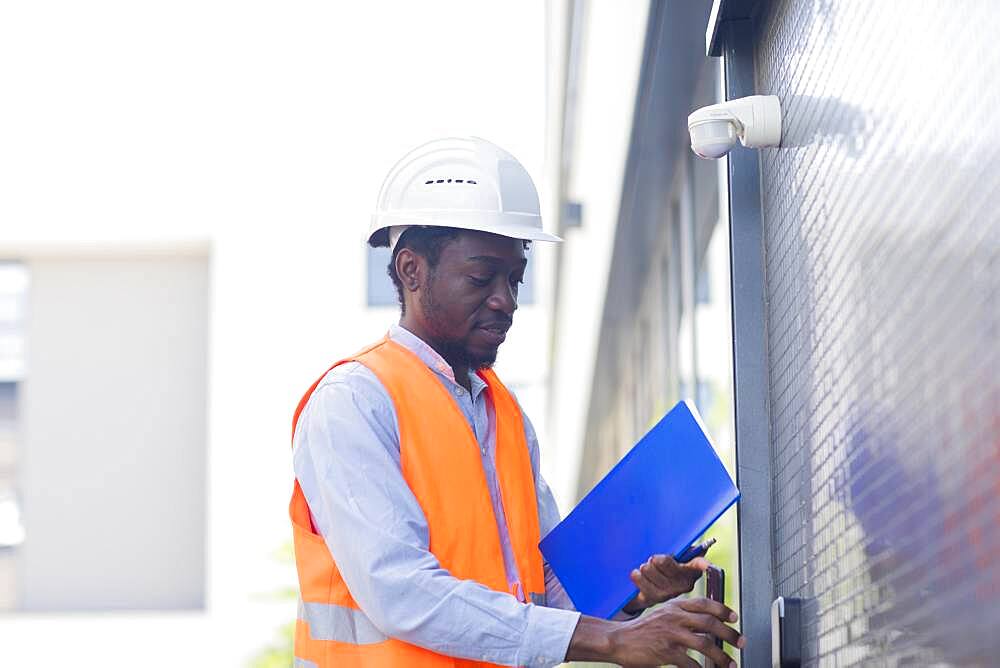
{"x":346,"y":459}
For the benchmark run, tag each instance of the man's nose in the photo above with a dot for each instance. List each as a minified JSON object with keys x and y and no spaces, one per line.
{"x":504,"y":298}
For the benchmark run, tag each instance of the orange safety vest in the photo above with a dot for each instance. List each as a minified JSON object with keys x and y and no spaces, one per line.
{"x":440,"y":461}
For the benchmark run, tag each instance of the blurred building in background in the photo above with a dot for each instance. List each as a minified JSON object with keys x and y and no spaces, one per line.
{"x":185,"y":193}
{"x":13,"y":284}
{"x":862,"y":327}
{"x":641,"y":308}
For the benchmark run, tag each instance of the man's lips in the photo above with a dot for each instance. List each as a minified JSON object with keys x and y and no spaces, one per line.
{"x":495,"y":332}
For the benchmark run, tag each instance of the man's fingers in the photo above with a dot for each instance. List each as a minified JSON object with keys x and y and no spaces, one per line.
{"x":683,"y":661}
{"x":642,"y":582}
{"x":706,"y":645}
{"x":710,"y":607}
{"x":666,"y":563}
{"x":691,"y":570}
{"x":716,"y":654}
{"x":705,"y":623}
{"x":701,"y":563}
{"x":661,"y":560}
{"x":655,"y":576}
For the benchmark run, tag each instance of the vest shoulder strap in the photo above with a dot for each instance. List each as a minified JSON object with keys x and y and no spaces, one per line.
{"x":312,"y":388}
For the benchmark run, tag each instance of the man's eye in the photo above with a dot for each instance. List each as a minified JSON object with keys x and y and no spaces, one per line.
{"x":480,"y":282}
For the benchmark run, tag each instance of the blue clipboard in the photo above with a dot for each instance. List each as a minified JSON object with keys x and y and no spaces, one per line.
{"x":663,"y":495}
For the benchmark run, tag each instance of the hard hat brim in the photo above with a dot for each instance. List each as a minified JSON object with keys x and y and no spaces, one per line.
{"x":526,"y":227}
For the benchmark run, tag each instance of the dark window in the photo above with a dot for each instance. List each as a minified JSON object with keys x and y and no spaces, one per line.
{"x":572,"y":214}
{"x":381,"y":291}
{"x":526,"y":294}
{"x":702,"y":286}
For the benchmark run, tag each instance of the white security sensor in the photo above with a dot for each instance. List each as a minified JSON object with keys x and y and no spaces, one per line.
{"x":754,"y":120}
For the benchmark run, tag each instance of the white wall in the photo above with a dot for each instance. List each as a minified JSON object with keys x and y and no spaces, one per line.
{"x":113,"y":414}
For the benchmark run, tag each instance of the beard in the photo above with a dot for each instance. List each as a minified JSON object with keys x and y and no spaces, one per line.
{"x":455,"y":350}
{"x":458,"y":352}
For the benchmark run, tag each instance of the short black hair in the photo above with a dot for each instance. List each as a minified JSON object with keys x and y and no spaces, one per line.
{"x":427,"y":241}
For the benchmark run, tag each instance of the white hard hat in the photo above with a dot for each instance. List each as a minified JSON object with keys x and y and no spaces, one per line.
{"x":463,"y":182}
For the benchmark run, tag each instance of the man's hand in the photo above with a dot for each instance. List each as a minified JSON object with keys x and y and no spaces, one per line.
{"x":661,"y":578}
{"x":661,"y":637}
{"x":665,"y":634}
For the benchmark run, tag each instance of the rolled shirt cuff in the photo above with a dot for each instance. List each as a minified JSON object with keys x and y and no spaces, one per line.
{"x":547,"y":635}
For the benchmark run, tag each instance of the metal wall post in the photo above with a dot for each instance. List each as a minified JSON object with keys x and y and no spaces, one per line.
{"x":753,"y":462}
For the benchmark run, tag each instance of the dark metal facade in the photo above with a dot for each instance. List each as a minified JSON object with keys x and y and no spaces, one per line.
{"x":881,"y":223}
{"x":753,"y":465}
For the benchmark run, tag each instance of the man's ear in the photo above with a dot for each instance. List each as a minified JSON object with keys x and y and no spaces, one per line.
{"x":411,"y":269}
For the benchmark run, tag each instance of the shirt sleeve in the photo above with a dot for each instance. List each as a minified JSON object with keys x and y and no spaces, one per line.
{"x":346,"y":459}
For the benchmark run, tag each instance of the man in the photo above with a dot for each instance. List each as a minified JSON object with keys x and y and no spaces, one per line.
{"x":418,"y":505}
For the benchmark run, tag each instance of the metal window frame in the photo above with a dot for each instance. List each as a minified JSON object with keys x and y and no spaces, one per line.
{"x":731,"y":33}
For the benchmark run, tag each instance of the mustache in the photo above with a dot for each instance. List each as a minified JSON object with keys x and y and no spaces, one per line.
{"x":500,"y":323}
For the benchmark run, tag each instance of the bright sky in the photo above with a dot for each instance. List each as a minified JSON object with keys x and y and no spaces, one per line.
{"x":126,"y":117}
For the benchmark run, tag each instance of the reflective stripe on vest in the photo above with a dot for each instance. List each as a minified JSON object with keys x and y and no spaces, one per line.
{"x":434,"y":437}
{"x":303,"y":663}
{"x":336,"y":622}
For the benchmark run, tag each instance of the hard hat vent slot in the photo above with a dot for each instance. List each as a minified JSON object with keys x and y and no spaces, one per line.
{"x":470,"y":181}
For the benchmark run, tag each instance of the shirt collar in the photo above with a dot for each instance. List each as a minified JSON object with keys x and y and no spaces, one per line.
{"x":430,"y":357}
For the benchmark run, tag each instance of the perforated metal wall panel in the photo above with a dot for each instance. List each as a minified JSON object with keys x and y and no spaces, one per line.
{"x":882,"y":224}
